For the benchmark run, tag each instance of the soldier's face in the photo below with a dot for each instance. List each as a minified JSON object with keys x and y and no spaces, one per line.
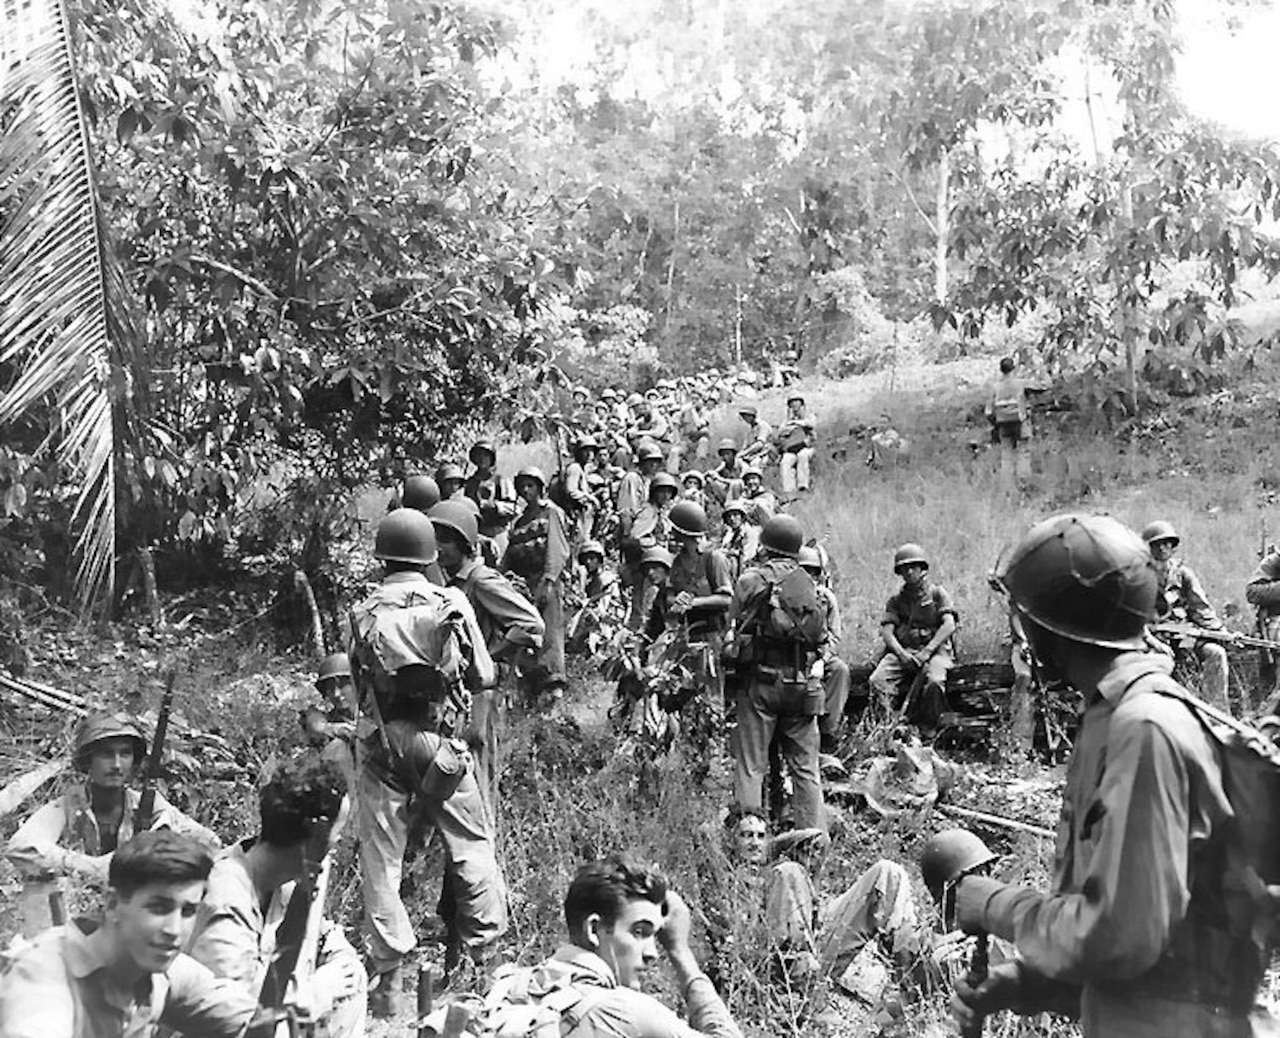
{"x":733,"y":520}
{"x":728,"y":457}
{"x":657,"y":575}
{"x":630,"y":944}
{"x":663,"y":496}
{"x":529,"y":490}
{"x":151,"y":925}
{"x":913,"y":573}
{"x":1162,"y":551}
{"x":750,"y":839}
{"x":752,"y":483}
{"x":451,"y":554}
{"x":111,"y":763}
{"x":592,"y":563}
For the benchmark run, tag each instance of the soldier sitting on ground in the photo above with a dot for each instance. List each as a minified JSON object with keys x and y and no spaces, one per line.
{"x":127,"y":976}
{"x":253,"y":883}
{"x":758,"y":447}
{"x":725,"y":480}
{"x":761,"y":505}
{"x":1182,"y":600}
{"x":73,"y":836}
{"x":917,"y":630}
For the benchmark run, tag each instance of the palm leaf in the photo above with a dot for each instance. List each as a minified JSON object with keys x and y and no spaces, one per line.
{"x":65,"y":322}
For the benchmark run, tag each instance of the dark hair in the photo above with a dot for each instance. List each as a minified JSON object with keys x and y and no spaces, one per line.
{"x":605,"y":887}
{"x":159,"y":856}
{"x":736,"y":814}
{"x":1006,"y":364}
{"x":300,"y":795}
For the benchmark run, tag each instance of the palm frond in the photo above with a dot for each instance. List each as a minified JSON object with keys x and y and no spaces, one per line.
{"x":65,"y":322}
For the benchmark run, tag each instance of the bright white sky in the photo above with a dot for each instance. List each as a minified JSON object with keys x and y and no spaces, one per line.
{"x":1230,"y":77}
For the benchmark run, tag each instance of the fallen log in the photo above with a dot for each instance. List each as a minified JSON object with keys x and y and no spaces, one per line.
{"x":968,"y":814}
{"x":44,"y":695}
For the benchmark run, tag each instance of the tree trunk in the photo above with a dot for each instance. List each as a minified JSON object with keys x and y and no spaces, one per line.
{"x":1128,"y":319}
{"x":147,"y":566}
{"x":737,"y":325}
{"x":671,"y":270}
{"x":304,"y":588}
{"x":941,"y":223}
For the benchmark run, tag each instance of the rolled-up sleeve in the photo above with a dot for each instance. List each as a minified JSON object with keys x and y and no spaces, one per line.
{"x":34,"y":848}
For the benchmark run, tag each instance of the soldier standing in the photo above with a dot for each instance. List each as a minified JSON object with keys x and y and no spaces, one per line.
{"x":74,"y":835}
{"x":538,"y":552}
{"x":741,"y":539}
{"x":493,"y":494}
{"x":417,"y":653}
{"x":331,"y":727}
{"x":835,"y":672}
{"x":916,"y":629}
{"x":778,"y":692}
{"x":451,"y":479}
{"x":1182,"y":600}
{"x":1263,"y":592}
{"x":577,"y":486}
{"x":1150,"y":925}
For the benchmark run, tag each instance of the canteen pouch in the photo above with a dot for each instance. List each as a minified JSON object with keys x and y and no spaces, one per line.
{"x":446,"y":771}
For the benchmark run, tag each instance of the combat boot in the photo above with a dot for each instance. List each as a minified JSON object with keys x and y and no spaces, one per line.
{"x":386,"y":995}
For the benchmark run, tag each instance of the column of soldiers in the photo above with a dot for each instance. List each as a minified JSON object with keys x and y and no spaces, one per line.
{"x":475,"y":570}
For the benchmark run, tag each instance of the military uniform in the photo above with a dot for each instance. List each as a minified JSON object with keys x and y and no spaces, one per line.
{"x":1263,"y":592}
{"x":419,"y":681}
{"x":795,"y":448}
{"x":835,"y":672}
{"x":496,"y":498}
{"x":1182,"y":600}
{"x":915,"y":617}
{"x":538,"y":552}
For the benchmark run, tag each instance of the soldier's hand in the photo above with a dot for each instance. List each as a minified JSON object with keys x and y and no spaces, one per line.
{"x":682,"y":603}
{"x":677,"y":922}
{"x":1001,"y":989}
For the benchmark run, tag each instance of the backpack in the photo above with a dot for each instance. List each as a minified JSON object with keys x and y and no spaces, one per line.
{"x":793,"y":611}
{"x":1250,"y":762}
{"x":527,"y":1002}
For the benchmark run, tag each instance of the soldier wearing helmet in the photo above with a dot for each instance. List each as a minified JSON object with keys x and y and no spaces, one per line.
{"x":420,"y":492}
{"x":759,"y":441}
{"x":725,"y":480}
{"x":450,"y":478}
{"x":538,"y":552}
{"x":633,"y":496}
{"x":835,"y":672}
{"x":794,"y":442}
{"x":512,"y":628}
{"x":577,"y":487}
{"x":417,"y":656}
{"x":1263,"y":593}
{"x":693,"y":487}
{"x":1182,"y":601}
{"x":600,"y":609}
{"x":494,"y":494}
{"x":73,"y":836}
{"x":761,"y":504}
{"x":651,"y":529}
{"x":331,"y":726}
{"x":1145,"y":931}
{"x":650,"y":424}
{"x":693,"y":426}
{"x":777,"y":689}
{"x":740,"y":541}
{"x":916,"y":629}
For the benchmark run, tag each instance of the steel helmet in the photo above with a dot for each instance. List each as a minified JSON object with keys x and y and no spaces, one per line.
{"x":648,"y":451}
{"x":459,"y":517}
{"x":809,"y":558}
{"x":949,"y":855}
{"x":908,"y":554}
{"x":734,"y":504}
{"x":663,"y":481}
{"x":450,"y":471}
{"x":657,"y":556}
{"x":482,"y":445}
{"x":748,"y":409}
{"x":586,"y":442}
{"x":688,"y":518}
{"x":728,"y":444}
{"x":1085,"y":577}
{"x":793,"y":398}
{"x":1160,"y":531}
{"x":633,"y":399}
{"x":694,"y":476}
{"x":97,"y":727}
{"x":420,"y":492}
{"x":531,"y":472}
{"x":591,"y":548}
{"x":782,"y":535}
{"x":335,"y":665}
{"x":608,"y":394}
{"x":751,"y":470}
{"x":406,"y":535}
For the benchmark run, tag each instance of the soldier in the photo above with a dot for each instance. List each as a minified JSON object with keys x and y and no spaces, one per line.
{"x":917,"y":630}
{"x":777,"y":692}
{"x":692,"y":487}
{"x":650,"y":424}
{"x":538,"y":552}
{"x":577,"y":487}
{"x":493,"y":494}
{"x":599,"y":598}
{"x":725,"y":480}
{"x":1263,"y":592}
{"x":1148,"y":929}
{"x":1182,"y":600}
{"x":761,"y":504}
{"x":451,"y":479}
{"x":417,"y":653}
{"x":1006,"y":410}
{"x":652,"y":529}
{"x":694,"y":428}
{"x":795,"y":446}
{"x":253,"y":882}
{"x":835,"y":672}
{"x":420,"y":492}
{"x":618,"y":913}
{"x":512,"y":628}
{"x":331,"y":727}
{"x":126,"y":976}
{"x":759,"y":436}
{"x":741,"y":539}
{"x":74,"y":835}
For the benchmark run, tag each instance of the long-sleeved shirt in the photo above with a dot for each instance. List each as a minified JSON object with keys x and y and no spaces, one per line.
{"x":59,"y":987}
{"x":1138,"y":870}
{"x":633,"y":495}
{"x":610,"y":1011}
{"x":538,"y":546}
{"x":62,"y":837}
{"x":1263,"y":589}
{"x":1182,"y":597}
{"x":503,"y":613}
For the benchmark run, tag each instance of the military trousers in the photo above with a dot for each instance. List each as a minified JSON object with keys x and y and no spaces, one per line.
{"x":766,"y":709}
{"x":474,"y":902}
{"x":795,"y":466}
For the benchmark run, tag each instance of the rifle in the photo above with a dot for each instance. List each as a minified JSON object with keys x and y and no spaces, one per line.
{"x":145,"y":814}
{"x":297,"y":943}
{"x":977,"y":974}
{"x":1205,"y":634}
